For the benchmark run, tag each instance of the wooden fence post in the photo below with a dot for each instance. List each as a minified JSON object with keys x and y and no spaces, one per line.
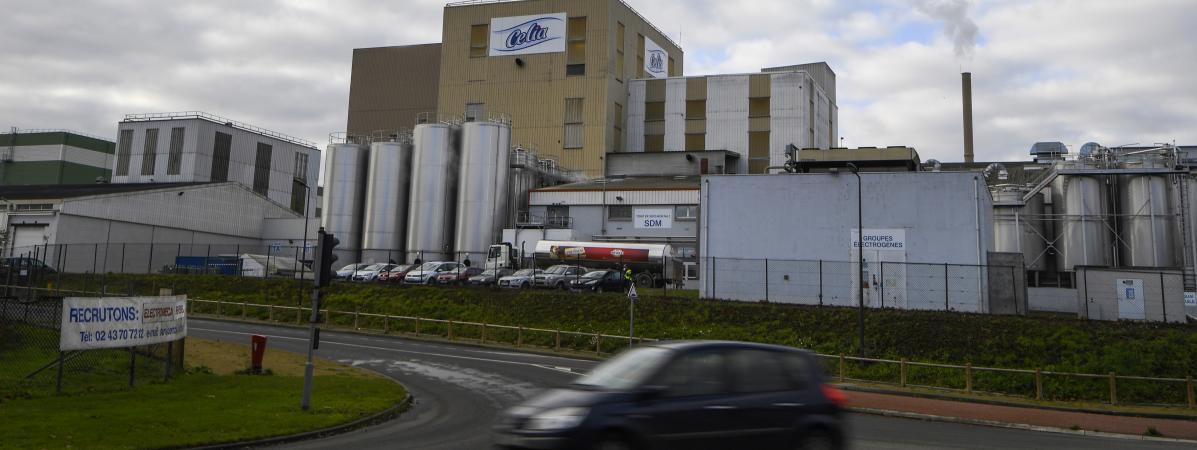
{"x":483,"y":332}
{"x":902,"y":373}
{"x":1113,"y":389}
{"x":270,"y":315}
{"x":243,"y":307}
{"x":968,"y":377}
{"x":598,"y":344}
{"x":1038,"y":384}
{"x":519,"y":338}
{"x":558,"y":346}
{"x":218,"y":302}
{"x":841,"y":367}
{"x":450,"y":330}
{"x":1189,"y":389}
{"x":386,"y":324}
{"x":417,"y":326}
{"x":355,"y":319}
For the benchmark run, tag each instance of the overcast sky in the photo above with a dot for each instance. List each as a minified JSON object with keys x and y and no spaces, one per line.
{"x":1110,"y":71}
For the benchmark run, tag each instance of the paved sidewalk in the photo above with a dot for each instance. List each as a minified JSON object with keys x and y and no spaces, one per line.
{"x":1169,"y":428}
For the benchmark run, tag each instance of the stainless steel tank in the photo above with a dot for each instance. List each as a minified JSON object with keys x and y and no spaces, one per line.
{"x":1148,"y":233}
{"x":388,"y":181}
{"x":481,"y":189}
{"x":344,"y":197}
{"x":523,"y":177}
{"x":1080,"y":208}
{"x":1017,"y":225}
{"x":431,"y":209}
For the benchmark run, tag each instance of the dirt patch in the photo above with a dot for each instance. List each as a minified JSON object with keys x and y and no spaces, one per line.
{"x":227,"y":357}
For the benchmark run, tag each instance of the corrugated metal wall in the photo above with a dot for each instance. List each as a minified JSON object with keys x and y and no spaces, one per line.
{"x":786,"y":114}
{"x":675,"y":114}
{"x":727,"y":115}
{"x":389,"y":86}
{"x":222,"y":208}
{"x":657,"y":197}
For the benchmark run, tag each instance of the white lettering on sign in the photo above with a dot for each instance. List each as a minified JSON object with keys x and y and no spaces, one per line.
{"x":880,"y":239}
{"x":656,"y":61}
{"x":653,"y":218}
{"x":112,"y":322}
{"x":525,"y":35}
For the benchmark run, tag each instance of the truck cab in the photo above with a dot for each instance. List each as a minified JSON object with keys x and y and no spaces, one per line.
{"x":501,"y":256}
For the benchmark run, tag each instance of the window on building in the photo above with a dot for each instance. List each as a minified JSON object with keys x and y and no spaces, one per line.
{"x":575,"y":46}
{"x":262,"y":169}
{"x":151,"y":151}
{"x":696,"y":109}
{"x":758,"y":151}
{"x":298,"y":196}
{"x":619,"y":34}
{"x":654,"y":143}
{"x":474,"y":111}
{"x":654,"y":111}
{"x":478,"y":40}
{"x":575,"y":133}
{"x":673,"y":69}
{"x":696,"y":142}
{"x":124,"y":149}
{"x":617,"y":146}
{"x":301,"y":166}
{"x":174,"y":163}
{"x":222,"y":145}
{"x":758,"y":107}
{"x":639,"y":56}
{"x":619,"y":212}
{"x":686,"y":212}
{"x":33,"y":206}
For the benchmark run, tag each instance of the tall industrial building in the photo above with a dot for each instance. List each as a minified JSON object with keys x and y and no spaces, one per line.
{"x":560,"y":70}
{"x":199,"y":147}
{"x":29,"y":157}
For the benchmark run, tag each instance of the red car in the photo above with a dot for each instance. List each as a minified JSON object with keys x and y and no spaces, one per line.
{"x":457,"y":277}
{"x":396,"y":274}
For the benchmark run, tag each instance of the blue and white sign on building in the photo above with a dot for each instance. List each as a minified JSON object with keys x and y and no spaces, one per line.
{"x":1129,"y":292}
{"x":525,"y":35}
{"x":656,"y":61}
{"x":113,"y":322}
{"x":1190,"y":298}
{"x":653,"y":218}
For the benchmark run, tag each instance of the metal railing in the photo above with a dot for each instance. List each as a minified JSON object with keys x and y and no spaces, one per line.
{"x":220,"y":120}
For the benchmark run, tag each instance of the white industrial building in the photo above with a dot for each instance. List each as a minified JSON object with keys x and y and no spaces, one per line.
{"x":756,"y":115}
{"x":188,"y":147}
{"x":792,"y":238}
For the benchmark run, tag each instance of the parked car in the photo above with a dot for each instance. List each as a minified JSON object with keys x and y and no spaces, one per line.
{"x":558,"y":276}
{"x":371,"y":272}
{"x":347,"y":272}
{"x":489,"y":277}
{"x":427,"y":272}
{"x":458,"y":277}
{"x":396,"y":273}
{"x":686,"y":394}
{"x":23,"y":267}
{"x":521,"y":279}
{"x":599,"y":281}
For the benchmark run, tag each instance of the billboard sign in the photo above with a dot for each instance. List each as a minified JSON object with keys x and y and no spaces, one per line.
{"x":656,"y":61}
{"x":653,"y":218}
{"x":525,"y":35}
{"x":113,"y":322}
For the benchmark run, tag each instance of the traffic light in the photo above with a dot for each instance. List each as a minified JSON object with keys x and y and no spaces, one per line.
{"x":325,"y":243}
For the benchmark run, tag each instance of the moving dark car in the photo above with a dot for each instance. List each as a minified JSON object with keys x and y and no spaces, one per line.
{"x":599,"y":281}
{"x":686,"y":395}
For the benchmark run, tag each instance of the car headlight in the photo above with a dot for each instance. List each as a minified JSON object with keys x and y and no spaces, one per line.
{"x":557,"y":419}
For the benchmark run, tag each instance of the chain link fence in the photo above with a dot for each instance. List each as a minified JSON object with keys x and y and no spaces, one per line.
{"x":900,"y":285}
{"x":31,"y":363}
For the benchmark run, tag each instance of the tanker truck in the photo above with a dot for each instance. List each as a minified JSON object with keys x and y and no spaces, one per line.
{"x":647,"y":261}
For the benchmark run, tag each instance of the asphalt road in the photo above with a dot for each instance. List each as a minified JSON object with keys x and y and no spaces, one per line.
{"x":459,"y":390}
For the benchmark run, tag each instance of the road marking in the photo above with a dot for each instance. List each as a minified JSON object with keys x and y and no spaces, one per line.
{"x":322,"y":341}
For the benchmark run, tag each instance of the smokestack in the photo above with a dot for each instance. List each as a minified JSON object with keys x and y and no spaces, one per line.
{"x":966,"y":85}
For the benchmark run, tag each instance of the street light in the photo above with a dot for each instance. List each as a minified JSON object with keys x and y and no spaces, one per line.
{"x":307,"y":194}
{"x":859,"y":254}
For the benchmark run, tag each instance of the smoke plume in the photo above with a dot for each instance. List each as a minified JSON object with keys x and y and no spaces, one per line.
{"x":956,"y":23}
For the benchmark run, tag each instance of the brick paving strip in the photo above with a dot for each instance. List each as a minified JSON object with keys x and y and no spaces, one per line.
{"x":1034,"y":417}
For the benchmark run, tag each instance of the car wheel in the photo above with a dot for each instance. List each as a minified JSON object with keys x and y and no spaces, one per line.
{"x":612,"y":441}
{"x":816,"y":439}
{"x":526,"y":285}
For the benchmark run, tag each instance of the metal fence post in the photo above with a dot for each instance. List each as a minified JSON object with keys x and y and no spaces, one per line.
{"x":946,"y":295}
{"x":1163,"y":304}
{"x":61,"y":362}
{"x":123,"y":257}
{"x":149,"y":259}
{"x":766,"y":279}
{"x":821,"y":288}
{"x":882,"y":281}
{"x":169,"y":358}
{"x":132,"y":364}
{"x":714,"y":279}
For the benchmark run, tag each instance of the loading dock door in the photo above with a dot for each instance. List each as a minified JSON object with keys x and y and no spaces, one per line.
{"x":26,"y":238}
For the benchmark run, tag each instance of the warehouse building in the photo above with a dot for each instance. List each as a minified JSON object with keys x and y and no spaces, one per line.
{"x":29,"y":157}
{"x":197,"y":147}
{"x":756,"y":115}
{"x":559,"y":70}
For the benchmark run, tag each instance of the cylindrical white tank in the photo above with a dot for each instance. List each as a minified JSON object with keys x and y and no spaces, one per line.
{"x":434,"y":163}
{"x":388,"y":180}
{"x":1016,"y":225}
{"x":1147,"y":225}
{"x":1084,"y":239}
{"x":344,"y":197}
{"x":481,"y":189}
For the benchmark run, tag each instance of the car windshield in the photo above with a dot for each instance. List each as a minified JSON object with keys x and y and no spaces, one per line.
{"x":349,"y":267}
{"x":555,"y":270}
{"x":523,"y":273}
{"x":427,"y":267}
{"x":374,"y":267}
{"x":625,"y":371}
{"x":402,"y":268}
{"x":488,"y":273}
{"x":595,"y":274}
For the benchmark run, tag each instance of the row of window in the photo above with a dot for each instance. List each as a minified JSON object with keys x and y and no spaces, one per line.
{"x":149,"y":158}
{"x":680,"y":212}
{"x":697,"y":109}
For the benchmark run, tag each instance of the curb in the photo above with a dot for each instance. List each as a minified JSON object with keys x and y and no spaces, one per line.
{"x":1016,"y":426}
{"x":994,"y":402}
{"x":388,"y":414}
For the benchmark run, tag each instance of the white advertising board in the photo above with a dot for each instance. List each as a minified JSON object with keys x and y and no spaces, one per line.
{"x":656,"y":61}
{"x":525,"y":35}
{"x":653,"y":218}
{"x":113,"y":322}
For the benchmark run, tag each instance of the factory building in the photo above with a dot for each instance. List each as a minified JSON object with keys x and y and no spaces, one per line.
{"x":756,"y":115}
{"x":558,"y":70}
{"x":32,"y":157}
{"x":196,"y":147}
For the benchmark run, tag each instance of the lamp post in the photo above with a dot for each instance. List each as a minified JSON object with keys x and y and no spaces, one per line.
{"x":859,"y":255}
{"x":307,"y":193}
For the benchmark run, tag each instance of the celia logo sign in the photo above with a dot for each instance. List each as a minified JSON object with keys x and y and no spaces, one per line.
{"x":523,"y":35}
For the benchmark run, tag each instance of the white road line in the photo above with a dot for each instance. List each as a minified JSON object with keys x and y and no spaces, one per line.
{"x":322,"y":341}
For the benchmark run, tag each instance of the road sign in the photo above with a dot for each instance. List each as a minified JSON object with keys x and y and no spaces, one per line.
{"x":632,"y":293}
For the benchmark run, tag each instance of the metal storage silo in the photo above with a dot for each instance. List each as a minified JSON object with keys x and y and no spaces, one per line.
{"x":481,"y":189}
{"x":1084,"y":238}
{"x":344,"y":197}
{"x":431,"y":207}
{"x":1147,"y":225}
{"x":388,"y":180}
{"x":522,"y":178}
{"x":1017,"y":225}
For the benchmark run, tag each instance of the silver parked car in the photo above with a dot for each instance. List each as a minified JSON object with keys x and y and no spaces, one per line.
{"x":426,"y":273}
{"x":559,"y":276}
{"x":521,"y":279}
{"x":371,"y":272}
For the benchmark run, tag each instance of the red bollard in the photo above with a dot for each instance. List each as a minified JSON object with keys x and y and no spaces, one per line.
{"x":257,"y":351}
